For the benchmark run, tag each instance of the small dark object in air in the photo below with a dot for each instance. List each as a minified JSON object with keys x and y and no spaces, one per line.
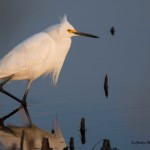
{"x":112,"y":31}
{"x":106,"y":85}
{"x":82,"y":130}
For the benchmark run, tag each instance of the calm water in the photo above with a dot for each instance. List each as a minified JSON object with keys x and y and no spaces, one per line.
{"x":123,"y":117}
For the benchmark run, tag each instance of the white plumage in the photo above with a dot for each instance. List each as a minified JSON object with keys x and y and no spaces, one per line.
{"x":42,"y":53}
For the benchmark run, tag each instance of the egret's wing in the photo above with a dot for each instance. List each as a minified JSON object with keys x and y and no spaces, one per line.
{"x":28,"y":54}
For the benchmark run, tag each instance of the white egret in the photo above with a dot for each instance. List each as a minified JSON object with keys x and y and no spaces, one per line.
{"x":40,"y":54}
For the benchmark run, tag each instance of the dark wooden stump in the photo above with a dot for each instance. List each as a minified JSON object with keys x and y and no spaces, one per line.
{"x":106,"y":145}
{"x":71,"y":143}
{"x":82,"y":131}
{"x":45,"y":144}
{"x":22,"y":140}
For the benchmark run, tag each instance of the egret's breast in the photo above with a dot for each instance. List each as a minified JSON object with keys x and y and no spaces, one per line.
{"x":58,"y":57}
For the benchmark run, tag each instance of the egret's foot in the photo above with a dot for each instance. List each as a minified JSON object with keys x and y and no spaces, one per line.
{"x":28,"y":116}
{"x":1,"y":87}
{"x":24,"y":103}
{"x":1,"y":122}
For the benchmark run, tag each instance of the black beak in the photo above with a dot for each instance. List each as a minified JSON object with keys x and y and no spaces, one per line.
{"x":85,"y":34}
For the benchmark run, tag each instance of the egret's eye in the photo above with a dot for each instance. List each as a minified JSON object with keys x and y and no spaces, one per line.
{"x":71,"y":30}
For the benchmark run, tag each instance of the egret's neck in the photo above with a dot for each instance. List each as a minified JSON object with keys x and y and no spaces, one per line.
{"x":53,"y":32}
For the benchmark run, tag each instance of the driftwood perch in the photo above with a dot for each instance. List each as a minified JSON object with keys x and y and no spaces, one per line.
{"x":25,"y":138}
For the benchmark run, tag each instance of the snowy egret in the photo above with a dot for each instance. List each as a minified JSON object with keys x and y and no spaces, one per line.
{"x":41,"y":54}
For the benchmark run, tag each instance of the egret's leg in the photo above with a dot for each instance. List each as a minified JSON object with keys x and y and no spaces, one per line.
{"x":25,"y":103}
{"x":7,"y":93}
{"x":26,"y":91}
{"x":9,"y":115}
{"x":28,"y":115}
{"x":7,"y":80}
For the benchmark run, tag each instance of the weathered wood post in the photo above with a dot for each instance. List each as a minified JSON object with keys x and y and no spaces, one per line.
{"x":82,"y":130}
{"x":66,"y":148}
{"x":71,"y":143}
{"x":106,"y":145}
{"x":22,"y":140}
{"x":82,"y":124}
{"x":45,"y":144}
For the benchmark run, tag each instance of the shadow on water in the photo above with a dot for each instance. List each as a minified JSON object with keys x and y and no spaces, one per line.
{"x":25,"y":138}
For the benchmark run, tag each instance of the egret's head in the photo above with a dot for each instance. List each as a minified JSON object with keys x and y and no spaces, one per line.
{"x":67,"y":30}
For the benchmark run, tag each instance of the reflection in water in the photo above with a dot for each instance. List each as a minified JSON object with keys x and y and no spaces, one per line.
{"x":25,"y":138}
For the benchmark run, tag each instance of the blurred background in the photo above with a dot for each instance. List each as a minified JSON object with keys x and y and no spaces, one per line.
{"x":123,"y":117}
